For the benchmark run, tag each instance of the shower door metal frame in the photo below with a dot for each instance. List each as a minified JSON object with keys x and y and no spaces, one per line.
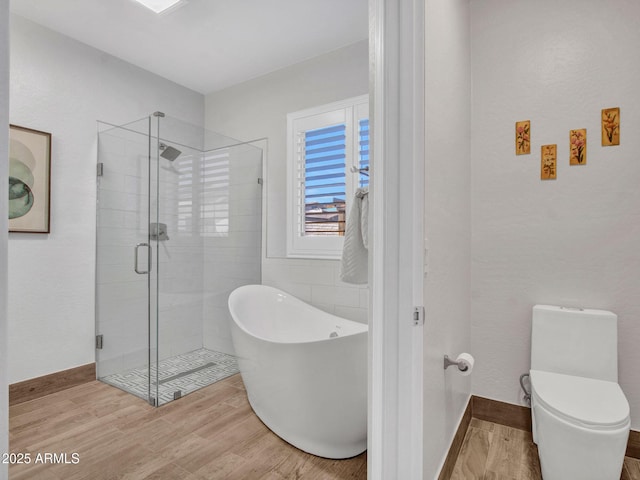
{"x":153,"y":330}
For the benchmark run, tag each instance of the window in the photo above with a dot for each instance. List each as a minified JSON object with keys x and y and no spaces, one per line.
{"x":327,"y":147}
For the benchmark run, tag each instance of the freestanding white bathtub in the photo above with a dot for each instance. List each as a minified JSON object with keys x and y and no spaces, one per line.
{"x":305,"y":370}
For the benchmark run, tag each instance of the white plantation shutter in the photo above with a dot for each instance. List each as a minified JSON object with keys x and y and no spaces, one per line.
{"x":324,"y":143}
{"x":324,"y":181}
{"x":363,"y":150}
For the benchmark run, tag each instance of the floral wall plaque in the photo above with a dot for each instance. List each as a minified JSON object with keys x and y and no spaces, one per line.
{"x":523,"y":140}
{"x":578,"y":147}
{"x":548,"y":161}
{"x":610,"y":127}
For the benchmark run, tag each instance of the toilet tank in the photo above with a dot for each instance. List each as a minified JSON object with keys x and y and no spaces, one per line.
{"x":575,"y":342}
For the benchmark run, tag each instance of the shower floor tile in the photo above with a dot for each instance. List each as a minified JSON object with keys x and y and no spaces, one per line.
{"x":187,"y":373}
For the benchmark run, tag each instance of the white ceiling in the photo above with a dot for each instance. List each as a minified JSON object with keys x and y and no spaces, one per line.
{"x":206,"y":45}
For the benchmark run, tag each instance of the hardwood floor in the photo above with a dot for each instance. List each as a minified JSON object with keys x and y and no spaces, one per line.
{"x":493,"y":451}
{"x":214,"y":434}
{"x":209,"y":434}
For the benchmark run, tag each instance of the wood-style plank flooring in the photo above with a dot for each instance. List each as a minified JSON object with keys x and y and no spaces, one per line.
{"x":209,"y":434}
{"x":496,"y":452}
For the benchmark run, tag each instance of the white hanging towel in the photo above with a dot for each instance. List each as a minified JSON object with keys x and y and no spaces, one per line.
{"x":354,"y":267}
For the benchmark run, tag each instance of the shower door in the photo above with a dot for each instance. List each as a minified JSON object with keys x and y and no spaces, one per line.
{"x":126,"y":277}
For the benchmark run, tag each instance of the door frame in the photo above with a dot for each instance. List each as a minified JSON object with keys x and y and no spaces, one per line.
{"x":397,"y":255}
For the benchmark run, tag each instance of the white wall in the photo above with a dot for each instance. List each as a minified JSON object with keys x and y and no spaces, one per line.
{"x":258,"y":108}
{"x":571,"y":241}
{"x":61,"y":86}
{"x":4,"y":156}
{"x":447,"y":223}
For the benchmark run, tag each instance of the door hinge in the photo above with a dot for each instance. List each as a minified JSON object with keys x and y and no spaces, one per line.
{"x":418,"y":316}
{"x":100,"y":169}
{"x":99,"y":340}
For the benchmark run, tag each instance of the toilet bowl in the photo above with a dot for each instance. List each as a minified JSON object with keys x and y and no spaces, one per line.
{"x":579,"y":413}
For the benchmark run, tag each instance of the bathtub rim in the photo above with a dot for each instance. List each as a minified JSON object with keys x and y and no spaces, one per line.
{"x":360,"y":326}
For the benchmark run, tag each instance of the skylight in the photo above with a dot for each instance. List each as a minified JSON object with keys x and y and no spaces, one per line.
{"x":159,"y":6}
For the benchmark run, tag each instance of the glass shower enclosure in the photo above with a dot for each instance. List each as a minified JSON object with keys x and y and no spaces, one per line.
{"x":179,"y":222}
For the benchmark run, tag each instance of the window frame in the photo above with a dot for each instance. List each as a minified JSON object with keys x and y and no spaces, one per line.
{"x":349,"y":111}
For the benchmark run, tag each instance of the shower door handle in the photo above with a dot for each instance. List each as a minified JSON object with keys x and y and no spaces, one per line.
{"x":135,"y":259}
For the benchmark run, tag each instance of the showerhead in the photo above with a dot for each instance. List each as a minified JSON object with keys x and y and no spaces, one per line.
{"x":168,"y":152}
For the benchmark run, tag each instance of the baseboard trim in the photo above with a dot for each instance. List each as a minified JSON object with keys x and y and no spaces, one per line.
{"x":55,"y":382}
{"x":633,"y":445}
{"x":456,"y":444}
{"x":515,"y":416}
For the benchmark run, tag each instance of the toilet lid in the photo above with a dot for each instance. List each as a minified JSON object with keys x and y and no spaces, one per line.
{"x":581,"y":400}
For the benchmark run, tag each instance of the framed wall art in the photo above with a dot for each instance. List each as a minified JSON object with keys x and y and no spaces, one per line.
{"x":578,"y":147}
{"x":523,"y":137}
{"x":548,"y":162}
{"x":610,"y":127}
{"x":29,"y":180}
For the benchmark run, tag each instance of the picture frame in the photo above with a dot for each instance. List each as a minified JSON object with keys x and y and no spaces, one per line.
{"x":610,"y":126}
{"x":523,"y":137}
{"x":29,"y":180}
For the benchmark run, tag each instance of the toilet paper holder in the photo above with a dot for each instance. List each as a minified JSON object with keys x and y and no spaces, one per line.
{"x":463,"y":367}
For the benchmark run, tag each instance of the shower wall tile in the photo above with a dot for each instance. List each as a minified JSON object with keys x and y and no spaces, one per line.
{"x":124,"y":310}
{"x":364,"y":298}
{"x":109,"y":366}
{"x":136,"y":357}
{"x":170,"y":347}
{"x":309,"y":273}
{"x":110,"y":218}
{"x":336,"y":295}
{"x":217,"y":329}
{"x":180,"y":309}
{"x":111,"y":254}
{"x":117,"y":292}
{"x":115,"y":181}
{"x":317,"y":282}
{"x":135,"y":184}
{"x":300,"y":290}
{"x":231,"y":257}
{"x":113,"y":273}
{"x":246,"y":223}
{"x":134,"y":220}
{"x":125,"y":338}
{"x":245,"y":206}
{"x":120,"y":200}
{"x":325,"y":307}
{"x":117,"y":236}
{"x":355,"y":314}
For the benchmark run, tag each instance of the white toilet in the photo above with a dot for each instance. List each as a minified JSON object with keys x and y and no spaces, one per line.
{"x":580,"y":414}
